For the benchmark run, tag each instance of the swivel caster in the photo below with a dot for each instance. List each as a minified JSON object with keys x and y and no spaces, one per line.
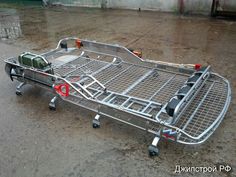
{"x":96,"y":121}
{"x":18,"y":93}
{"x":96,"y":124}
{"x":52,"y":105}
{"x":153,"y":151}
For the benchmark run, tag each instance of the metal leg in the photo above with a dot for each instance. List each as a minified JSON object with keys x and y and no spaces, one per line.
{"x":52,"y":104}
{"x":96,"y":121}
{"x":152,"y":149}
{"x":18,"y":92}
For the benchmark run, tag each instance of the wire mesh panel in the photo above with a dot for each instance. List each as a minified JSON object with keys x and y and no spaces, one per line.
{"x":89,"y":68}
{"x":204,"y":110}
{"x":146,"y":88}
{"x":111,"y":72}
{"x":169,"y":89}
{"x":209,"y":110}
{"x":193,"y":106}
{"x":67,"y":68}
{"x":124,"y":80}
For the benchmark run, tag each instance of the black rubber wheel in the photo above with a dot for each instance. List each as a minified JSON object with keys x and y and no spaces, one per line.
{"x":52,"y":108}
{"x":95,"y":125}
{"x":153,"y":151}
{"x":18,"y":93}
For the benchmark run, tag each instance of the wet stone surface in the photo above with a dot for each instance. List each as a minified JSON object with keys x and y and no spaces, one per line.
{"x":10,"y":24}
{"x":37,"y":142}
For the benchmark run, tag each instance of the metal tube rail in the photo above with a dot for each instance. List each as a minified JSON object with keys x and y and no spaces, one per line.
{"x":57,"y":77}
{"x":117,"y":51}
{"x":204,"y":76}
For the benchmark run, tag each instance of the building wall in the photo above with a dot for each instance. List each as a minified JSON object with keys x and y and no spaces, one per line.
{"x":160,"y":5}
{"x":185,"y":6}
{"x":197,"y":6}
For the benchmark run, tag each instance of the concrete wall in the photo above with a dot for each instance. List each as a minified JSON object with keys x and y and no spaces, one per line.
{"x":197,"y":6}
{"x":83,"y":3}
{"x":229,"y":4}
{"x":160,"y":5}
{"x":184,"y":6}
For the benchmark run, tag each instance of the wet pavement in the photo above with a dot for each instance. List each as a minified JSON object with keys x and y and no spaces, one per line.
{"x":37,"y":142}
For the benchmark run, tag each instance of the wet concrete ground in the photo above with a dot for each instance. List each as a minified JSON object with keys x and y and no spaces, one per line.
{"x":37,"y":142}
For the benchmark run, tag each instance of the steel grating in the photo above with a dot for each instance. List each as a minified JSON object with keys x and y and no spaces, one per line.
{"x":207,"y":112}
{"x":169,"y":89}
{"x":125,"y":79}
{"x":111,"y":72}
{"x":89,"y":68}
{"x":69,"y":67}
{"x":150,"y":85}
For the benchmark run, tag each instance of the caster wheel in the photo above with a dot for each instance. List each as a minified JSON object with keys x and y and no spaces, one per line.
{"x":52,"y":106}
{"x":95,"y":125}
{"x":153,"y":151}
{"x":18,"y":93}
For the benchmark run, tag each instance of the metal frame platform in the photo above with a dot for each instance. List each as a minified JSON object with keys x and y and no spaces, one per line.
{"x":113,"y":82}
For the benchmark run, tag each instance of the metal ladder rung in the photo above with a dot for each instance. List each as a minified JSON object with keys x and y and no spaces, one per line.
{"x":107,"y":97}
{"x":129,"y":105}
{"x":146,"y":107}
{"x":133,"y":102}
{"x":138,"y":112}
{"x":126,"y":101}
{"x":97,"y":94}
{"x":86,"y":86}
{"x":112,"y":98}
{"x":82,"y":88}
